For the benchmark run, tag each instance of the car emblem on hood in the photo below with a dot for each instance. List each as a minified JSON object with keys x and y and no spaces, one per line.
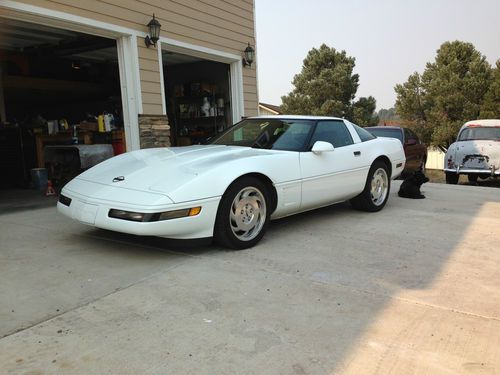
{"x":118,"y":179}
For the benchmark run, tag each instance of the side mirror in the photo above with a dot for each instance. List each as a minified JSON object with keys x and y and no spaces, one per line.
{"x":411,"y":142}
{"x":320,"y":146}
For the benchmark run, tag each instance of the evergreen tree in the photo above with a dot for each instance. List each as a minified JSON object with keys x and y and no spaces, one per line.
{"x":363,"y":112}
{"x":491,"y":104}
{"x":448,"y":93}
{"x":326,"y":86}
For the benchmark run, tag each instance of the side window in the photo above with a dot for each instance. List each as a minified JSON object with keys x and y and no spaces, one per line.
{"x":364,"y":135}
{"x":334,"y":132}
{"x":407,"y":135}
{"x":412,"y":135}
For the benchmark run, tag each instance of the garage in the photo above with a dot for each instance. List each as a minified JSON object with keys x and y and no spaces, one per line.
{"x":197,"y":93}
{"x":60,"y":103}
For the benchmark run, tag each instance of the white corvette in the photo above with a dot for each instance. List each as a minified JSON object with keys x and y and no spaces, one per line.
{"x":262,"y":168}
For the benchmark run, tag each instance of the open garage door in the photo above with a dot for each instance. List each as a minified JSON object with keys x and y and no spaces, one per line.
{"x":198,"y":96}
{"x":58,"y":89}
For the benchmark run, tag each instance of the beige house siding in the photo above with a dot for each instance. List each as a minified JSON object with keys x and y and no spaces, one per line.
{"x":265,"y":112}
{"x":222,"y":25}
{"x":149,"y":71}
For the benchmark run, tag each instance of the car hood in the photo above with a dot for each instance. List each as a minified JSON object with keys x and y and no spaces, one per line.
{"x":479,"y":154}
{"x":164,"y":170}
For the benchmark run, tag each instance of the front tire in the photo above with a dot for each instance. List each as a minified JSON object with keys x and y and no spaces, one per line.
{"x":452,"y":178}
{"x":377,"y":188}
{"x":243,"y":214}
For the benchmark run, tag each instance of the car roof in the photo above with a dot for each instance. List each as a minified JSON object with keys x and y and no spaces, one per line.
{"x":295,"y":117}
{"x":485,"y":123}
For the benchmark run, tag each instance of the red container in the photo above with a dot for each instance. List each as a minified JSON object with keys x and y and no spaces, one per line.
{"x":118,"y":147}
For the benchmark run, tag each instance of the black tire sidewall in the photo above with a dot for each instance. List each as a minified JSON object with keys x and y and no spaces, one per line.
{"x":364,"y":200}
{"x":223,"y":234}
{"x":472,"y":177}
{"x":452,"y":178}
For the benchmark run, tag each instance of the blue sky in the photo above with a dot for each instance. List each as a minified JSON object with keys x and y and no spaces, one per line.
{"x":390,"y":39}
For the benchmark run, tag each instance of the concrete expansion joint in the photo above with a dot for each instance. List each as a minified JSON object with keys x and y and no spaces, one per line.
{"x":438,"y":307}
{"x":277,"y":269}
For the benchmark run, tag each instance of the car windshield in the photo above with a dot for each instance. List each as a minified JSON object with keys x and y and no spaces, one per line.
{"x":387,"y":133}
{"x":478,"y":132}
{"x":272,"y":134}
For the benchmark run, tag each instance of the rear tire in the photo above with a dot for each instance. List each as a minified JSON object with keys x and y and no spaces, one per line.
{"x":422,"y":167}
{"x":452,"y":178}
{"x":472,"y":178}
{"x":376,"y":191}
{"x":243,"y":214}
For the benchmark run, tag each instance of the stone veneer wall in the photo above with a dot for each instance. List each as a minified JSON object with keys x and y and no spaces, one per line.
{"x":154,"y":131}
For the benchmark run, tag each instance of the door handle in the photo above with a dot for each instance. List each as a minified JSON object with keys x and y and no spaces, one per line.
{"x":357,"y":153}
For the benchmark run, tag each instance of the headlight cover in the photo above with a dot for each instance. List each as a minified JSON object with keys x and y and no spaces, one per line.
{"x":127,"y":215}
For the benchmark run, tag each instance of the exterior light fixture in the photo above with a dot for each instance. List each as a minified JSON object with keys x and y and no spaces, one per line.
{"x":76,"y":65}
{"x":154,"y":32}
{"x":249,"y":57}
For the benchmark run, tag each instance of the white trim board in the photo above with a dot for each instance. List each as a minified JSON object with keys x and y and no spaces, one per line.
{"x":206,"y":53}
{"x":134,"y":55}
{"x":237,"y":95}
{"x":162,"y":80}
{"x":130,"y":101}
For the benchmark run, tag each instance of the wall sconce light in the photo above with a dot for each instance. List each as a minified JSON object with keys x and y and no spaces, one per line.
{"x":154,"y":32}
{"x":249,"y":57}
{"x":76,"y":65}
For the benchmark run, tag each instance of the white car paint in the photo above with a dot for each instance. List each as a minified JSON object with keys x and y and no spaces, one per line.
{"x":481,"y":157}
{"x":165,"y":179}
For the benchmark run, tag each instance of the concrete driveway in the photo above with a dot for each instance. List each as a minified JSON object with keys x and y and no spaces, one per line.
{"x":414,"y":289}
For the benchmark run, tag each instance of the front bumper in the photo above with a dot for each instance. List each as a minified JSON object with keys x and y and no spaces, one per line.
{"x":94,"y":212}
{"x":489,"y":172}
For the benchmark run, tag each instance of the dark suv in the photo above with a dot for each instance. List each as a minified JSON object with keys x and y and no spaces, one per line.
{"x":415,"y":151}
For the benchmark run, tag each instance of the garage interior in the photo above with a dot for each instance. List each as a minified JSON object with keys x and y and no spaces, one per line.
{"x":60,"y":103}
{"x":198,"y":97}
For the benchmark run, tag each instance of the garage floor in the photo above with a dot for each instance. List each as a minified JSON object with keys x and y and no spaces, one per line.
{"x":414,"y":289}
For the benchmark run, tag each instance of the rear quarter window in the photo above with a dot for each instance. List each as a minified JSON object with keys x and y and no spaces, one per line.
{"x":364,"y":135}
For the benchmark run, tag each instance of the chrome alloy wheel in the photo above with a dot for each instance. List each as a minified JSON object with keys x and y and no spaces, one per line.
{"x":248,"y":213}
{"x":379,"y":186}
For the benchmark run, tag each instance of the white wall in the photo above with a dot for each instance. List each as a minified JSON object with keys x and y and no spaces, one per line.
{"x":435,"y":158}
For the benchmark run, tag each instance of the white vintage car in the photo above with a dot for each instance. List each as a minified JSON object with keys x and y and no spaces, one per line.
{"x":260,"y":169}
{"x":476,"y":152}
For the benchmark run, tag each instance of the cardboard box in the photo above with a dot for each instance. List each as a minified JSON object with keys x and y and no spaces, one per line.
{"x":90,"y":126}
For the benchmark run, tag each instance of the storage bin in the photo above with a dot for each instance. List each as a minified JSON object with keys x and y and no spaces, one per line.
{"x":39,"y":178}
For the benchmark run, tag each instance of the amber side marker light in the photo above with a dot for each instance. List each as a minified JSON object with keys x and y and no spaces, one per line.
{"x":194,"y":211}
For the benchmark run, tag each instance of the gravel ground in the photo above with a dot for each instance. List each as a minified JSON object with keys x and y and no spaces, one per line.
{"x":437,"y":176}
